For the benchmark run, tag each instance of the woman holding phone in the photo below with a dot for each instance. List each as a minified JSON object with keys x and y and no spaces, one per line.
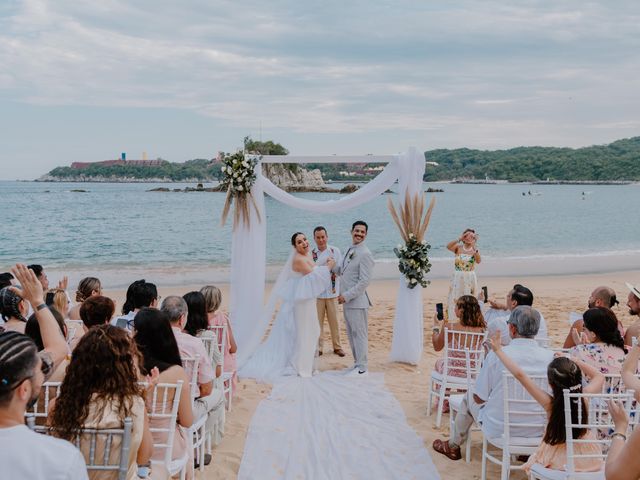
{"x":464,"y":281}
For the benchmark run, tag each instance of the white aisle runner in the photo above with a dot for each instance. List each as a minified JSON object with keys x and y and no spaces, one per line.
{"x":333,"y":427}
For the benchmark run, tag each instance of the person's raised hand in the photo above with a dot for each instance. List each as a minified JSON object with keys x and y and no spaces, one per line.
{"x":153,"y":377}
{"x":495,"y":342}
{"x":619,"y":416}
{"x":577,"y":337}
{"x":63,"y":283}
{"x":31,"y":288}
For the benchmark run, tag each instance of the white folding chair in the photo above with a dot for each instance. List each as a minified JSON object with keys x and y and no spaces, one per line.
{"x":598,"y":420}
{"x":96,"y":446}
{"x":162,"y":407}
{"x":456,"y":343}
{"x":226,"y":377}
{"x":40,"y":410}
{"x":473,"y":364}
{"x":198,"y":430}
{"x":521,"y":411}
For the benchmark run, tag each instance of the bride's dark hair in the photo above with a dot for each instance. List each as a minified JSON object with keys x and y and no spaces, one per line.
{"x":293,"y":238}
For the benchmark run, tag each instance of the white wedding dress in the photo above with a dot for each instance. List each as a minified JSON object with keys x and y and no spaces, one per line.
{"x":291,"y":346}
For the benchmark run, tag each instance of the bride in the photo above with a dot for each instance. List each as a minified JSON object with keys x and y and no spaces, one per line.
{"x":291,"y":346}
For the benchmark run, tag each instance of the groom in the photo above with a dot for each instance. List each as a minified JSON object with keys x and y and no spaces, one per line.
{"x":355,"y":274}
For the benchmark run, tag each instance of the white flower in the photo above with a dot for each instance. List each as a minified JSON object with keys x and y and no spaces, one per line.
{"x":235,"y":175}
{"x":245,"y":164}
{"x":413,"y":280}
{"x":240,"y":187}
{"x":224,"y":169}
{"x":399,"y":246}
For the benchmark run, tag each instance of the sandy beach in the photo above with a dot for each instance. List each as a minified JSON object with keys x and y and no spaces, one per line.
{"x":556,"y":296}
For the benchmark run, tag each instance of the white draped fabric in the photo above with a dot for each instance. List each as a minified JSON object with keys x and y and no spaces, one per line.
{"x":250,"y":318}
{"x":407,"y":342}
{"x":333,"y":427}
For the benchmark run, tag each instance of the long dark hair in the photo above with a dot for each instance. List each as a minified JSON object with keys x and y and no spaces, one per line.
{"x":156,"y":340}
{"x":563,"y":373}
{"x":197,"y":318}
{"x":103,"y":369}
{"x":128,"y":303}
{"x":604,"y":323}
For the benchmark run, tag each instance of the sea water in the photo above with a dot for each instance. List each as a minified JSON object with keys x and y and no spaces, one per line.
{"x":122,"y":231}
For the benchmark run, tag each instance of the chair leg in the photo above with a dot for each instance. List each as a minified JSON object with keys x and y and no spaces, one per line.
{"x":441,"y":397}
{"x":505,"y":469}
{"x":483,"y":474}
{"x":430,"y":401}
{"x":467,"y":455}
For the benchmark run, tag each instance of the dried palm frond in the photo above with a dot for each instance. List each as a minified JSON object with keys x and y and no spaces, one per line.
{"x":408,"y":216}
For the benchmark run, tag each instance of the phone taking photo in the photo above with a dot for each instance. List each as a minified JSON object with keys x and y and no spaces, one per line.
{"x":439,"y":311}
{"x":485,"y":292}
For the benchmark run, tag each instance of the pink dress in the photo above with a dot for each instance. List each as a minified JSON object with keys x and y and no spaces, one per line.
{"x":555,"y":456}
{"x":220,"y":319}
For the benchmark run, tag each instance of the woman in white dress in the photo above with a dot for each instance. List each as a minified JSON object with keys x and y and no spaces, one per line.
{"x":464,"y":281}
{"x":291,"y":346}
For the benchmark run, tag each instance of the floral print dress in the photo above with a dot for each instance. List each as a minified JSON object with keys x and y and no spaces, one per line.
{"x":464,"y":281}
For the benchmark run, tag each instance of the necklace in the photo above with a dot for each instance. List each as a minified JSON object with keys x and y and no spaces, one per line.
{"x":465,"y":249}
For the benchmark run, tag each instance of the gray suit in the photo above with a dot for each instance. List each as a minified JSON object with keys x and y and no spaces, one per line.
{"x":355,"y":275}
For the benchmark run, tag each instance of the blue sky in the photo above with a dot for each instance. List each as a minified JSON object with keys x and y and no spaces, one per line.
{"x":86,"y":80}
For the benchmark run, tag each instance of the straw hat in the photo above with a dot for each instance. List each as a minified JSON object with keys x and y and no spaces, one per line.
{"x":634,"y":290}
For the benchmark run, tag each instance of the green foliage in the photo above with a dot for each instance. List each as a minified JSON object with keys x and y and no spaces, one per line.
{"x":414,"y":261}
{"x":268,"y":148}
{"x":617,"y":161}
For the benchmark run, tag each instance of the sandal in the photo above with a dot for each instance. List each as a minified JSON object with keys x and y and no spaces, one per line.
{"x":442,"y":446}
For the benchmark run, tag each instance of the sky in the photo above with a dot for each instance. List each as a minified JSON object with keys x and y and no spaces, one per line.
{"x":86,"y":80}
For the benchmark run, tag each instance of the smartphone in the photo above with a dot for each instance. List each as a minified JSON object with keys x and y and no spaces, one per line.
{"x":122,"y":323}
{"x":439,"y":311}
{"x":486,"y":294}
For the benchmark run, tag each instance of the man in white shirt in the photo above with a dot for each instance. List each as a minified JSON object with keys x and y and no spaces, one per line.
{"x":142,"y":294}
{"x":485,"y":403}
{"x":497,"y":316}
{"x":23,"y":370}
{"x":327,"y":302}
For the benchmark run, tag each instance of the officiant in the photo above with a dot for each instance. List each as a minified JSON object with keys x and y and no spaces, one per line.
{"x":327,"y":302}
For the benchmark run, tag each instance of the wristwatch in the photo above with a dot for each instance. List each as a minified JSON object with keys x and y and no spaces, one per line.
{"x":619,"y":434}
{"x":435,"y":329}
{"x":42,"y":306}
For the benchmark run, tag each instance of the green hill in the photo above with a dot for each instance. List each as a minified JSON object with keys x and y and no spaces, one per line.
{"x":619,"y":160}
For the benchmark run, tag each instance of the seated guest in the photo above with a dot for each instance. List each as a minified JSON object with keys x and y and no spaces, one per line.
{"x":24,"y":453}
{"x":209,"y":401}
{"x":13,"y":309}
{"x":159,"y":349}
{"x":57,"y":298}
{"x":600,"y":297}
{"x":605,"y":348}
{"x":633,"y":302}
{"x":563,"y":373}
{"x":6,"y":280}
{"x":32,"y":330}
{"x":96,"y":310}
{"x":470,"y":319}
{"x":141,"y":294}
{"x":498,"y":315}
{"x":100,"y":390}
{"x":485,"y":404}
{"x":216,"y":317}
{"x":87,"y":288}
{"x":198,"y":323}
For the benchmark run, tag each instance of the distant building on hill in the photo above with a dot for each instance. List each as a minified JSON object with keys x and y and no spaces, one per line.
{"x":109,"y":163}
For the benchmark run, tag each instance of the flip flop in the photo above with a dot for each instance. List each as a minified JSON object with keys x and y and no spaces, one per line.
{"x":442,"y":446}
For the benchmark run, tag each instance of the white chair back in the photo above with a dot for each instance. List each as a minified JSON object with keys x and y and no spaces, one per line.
{"x":96,"y":446}
{"x":162,"y":407}
{"x":221,"y":336}
{"x":597,"y":418}
{"x":190,"y":365}
{"x":523,"y":415}
{"x":458,"y":344}
{"x":40,"y":409}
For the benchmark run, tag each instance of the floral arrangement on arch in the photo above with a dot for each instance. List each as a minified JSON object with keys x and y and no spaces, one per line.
{"x":413,"y":256}
{"x":239,"y":176}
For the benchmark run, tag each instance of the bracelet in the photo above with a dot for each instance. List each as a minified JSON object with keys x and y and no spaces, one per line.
{"x":618,"y":434}
{"x":435,"y":329}
{"x":42,"y":306}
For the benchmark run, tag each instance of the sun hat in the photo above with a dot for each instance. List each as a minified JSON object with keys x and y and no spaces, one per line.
{"x":634,"y":290}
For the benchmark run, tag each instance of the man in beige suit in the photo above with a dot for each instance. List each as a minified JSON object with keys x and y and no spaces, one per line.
{"x":328,"y":300}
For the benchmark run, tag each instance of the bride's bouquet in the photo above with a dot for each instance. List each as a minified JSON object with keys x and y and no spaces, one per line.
{"x":239,"y":176}
{"x":414,"y":254}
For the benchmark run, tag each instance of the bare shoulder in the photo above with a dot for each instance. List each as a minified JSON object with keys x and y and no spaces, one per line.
{"x":173,"y":374}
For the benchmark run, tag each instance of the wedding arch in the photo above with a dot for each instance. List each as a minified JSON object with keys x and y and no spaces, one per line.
{"x":250,"y":317}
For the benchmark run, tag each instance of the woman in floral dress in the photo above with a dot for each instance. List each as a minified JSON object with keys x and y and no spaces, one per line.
{"x":464,"y":280}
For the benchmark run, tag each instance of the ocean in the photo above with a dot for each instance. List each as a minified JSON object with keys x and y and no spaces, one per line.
{"x":121,"y":231}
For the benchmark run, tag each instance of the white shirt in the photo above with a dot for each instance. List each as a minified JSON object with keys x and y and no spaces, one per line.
{"x":321,"y":259}
{"x":34,"y":456}
{"x":497,"y":320}
{"x":534,"y":360}
{"x":128,"y":318}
